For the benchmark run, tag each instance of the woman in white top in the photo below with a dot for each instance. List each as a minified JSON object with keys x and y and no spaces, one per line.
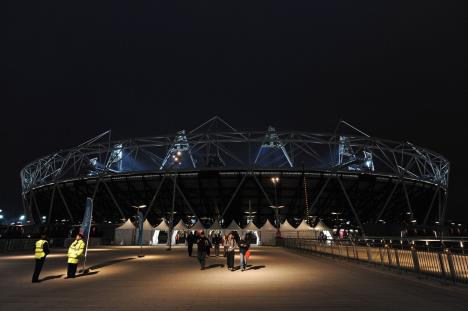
{"x":230,"y":246}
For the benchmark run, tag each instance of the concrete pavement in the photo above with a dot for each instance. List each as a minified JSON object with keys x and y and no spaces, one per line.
{"x":278,"y":279}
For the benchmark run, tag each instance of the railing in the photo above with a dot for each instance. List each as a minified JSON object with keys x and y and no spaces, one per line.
{"x":437,"y":262}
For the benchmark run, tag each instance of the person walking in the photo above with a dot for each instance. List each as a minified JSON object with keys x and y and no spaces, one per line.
{"x":244,"y":246}
{"x":41,"y":251}
{"x":203,"y":244}
{"x":230,"y":246}
{"x":190,"y":240}
{"x":75,"y":251}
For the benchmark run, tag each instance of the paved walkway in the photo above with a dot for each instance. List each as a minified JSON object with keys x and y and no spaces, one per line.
{"x":278,"y":279}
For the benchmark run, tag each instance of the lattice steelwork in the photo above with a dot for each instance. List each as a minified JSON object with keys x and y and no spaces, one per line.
{"x":215,"y":145}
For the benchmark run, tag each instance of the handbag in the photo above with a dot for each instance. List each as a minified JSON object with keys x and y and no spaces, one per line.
{"x":247,"y":254}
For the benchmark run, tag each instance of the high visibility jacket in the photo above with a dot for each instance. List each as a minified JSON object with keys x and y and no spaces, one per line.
{"x":39,"y":252}
{"x":75,"y":251}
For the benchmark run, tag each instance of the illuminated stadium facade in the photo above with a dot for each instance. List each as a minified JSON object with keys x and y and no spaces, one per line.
{"x":218,"y":172}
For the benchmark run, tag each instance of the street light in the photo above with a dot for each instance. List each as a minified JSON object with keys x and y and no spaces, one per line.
{"x":275,"y":181}
{"x":177,"y":161}
{"x":140,"y":226}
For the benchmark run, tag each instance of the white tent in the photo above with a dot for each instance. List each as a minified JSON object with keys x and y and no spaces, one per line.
{"x":251,"y":227}
{"x":198,"y":226}
{"x":303,"y":226}
{"x":216,"y":226}
{"x":268,"y":227}
{"x":305,"y":231}
{"x":124,"y":234}
{"x":233,"y":226}
{"x":287,"y":230}
{"x":161,"y":227}
{"x":322,"y":227}
{"x":147,"y":232}
{"x":268,"y":234}
{"x":179,"y":227}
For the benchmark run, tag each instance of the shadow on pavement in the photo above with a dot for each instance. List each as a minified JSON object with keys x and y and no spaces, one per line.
{"x":256,"y":267}
{"x":86,"y":274}
{"x":51,"y":277}
{"x":218,"y":265}
{"x":109,"y":263}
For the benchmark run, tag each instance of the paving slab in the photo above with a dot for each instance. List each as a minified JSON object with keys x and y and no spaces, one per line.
{"x":277,"y":279}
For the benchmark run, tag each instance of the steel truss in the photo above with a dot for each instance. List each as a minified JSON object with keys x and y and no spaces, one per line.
{"x":216,"y":145}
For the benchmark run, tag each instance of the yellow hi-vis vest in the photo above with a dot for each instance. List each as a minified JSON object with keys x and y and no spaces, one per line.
{"x":75,"y":251}
{"x":39,"y":252}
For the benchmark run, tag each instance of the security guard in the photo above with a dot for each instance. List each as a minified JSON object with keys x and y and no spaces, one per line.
{"x":75,"y":251}
{"x":40,"y":252}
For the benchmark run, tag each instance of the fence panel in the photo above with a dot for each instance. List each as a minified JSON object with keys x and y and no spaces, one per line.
{"x":439,"y":262}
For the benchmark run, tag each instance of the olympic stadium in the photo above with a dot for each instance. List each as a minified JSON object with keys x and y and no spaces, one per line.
{"x":217,"y":172}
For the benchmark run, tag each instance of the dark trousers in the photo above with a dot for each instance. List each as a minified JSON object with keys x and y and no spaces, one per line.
{"x":230,"y":259}
{"x":190,"y":249}
{"x":202,"y":259}
{"x":71,"y":271}
{"x":37,"y":269}
{"x":216,"y":249}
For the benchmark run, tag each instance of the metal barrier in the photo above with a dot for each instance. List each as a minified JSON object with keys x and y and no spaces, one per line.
{"x":441,"y":263}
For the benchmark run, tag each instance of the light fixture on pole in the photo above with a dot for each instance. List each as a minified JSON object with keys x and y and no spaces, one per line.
{"x":177,"y":161}
{"x":276,"y":207}
{"x":140,"y":220}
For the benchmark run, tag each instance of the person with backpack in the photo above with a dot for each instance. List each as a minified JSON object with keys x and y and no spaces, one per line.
{"x":203,"y":244}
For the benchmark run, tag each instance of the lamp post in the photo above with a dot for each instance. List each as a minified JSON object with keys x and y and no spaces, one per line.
{"x":276,"y":207}
{"x":177,"y":160}
{"x":140,"y":228}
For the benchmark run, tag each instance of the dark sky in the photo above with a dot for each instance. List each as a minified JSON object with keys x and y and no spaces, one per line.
{"x":70,"y":70}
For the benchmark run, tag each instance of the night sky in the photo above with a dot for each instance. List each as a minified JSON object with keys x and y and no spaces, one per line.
{"x":70,"y":71}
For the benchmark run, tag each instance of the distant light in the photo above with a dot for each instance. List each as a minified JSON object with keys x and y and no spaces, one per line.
{"x":179,"y":153}
{"x":413,"y":221}
{"x":44,"y":217}
{"x":1,"y":210}
{"x":1,"y":216}
{"x":22,"y":217}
